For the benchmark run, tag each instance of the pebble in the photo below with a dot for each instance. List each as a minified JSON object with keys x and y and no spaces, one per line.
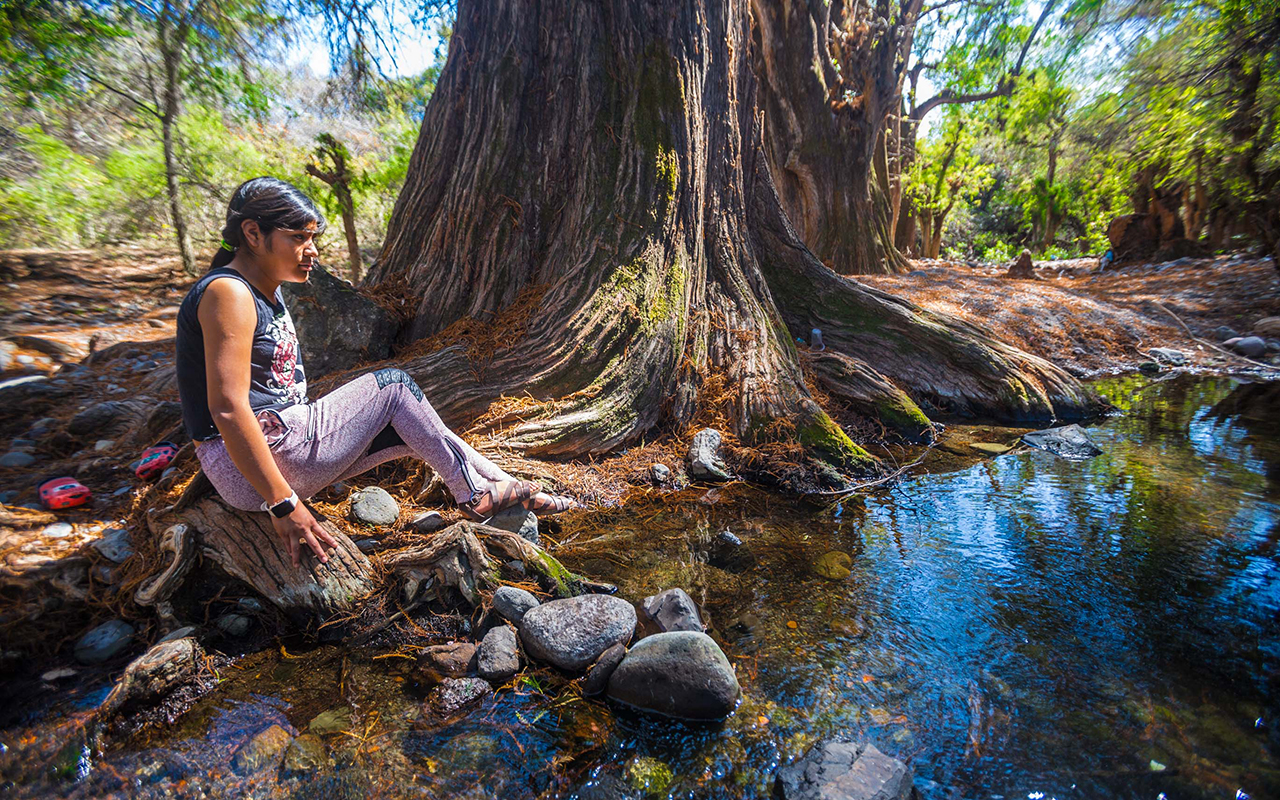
{"x":22,"y":444}
{"x":374,"y":506}
{"x":512,"y":603}
{"x":233,"y":625}
{"x":180,"y":633}
{"x":263,"y":750}
{"x":571,"y":634}
{"x":155,"y":323}
{"x":8,"y":496}
{"x":103,"y":445}
{"x":103,"y":642}
{"x":58,"y":530}
{"x":518,"y":520}
{"x":429,"y":522}
{"x":499,"y":658}
{"x":59,"y":674}
{"x":597,"y":678}
{"x":661,"y":473}
{"x":115,"y":545}
{"x":122,"y":490}
{"x":673,"y":610}
{"x":454,"y":659}
{"x":331,"y":721}
{"x":454,"y":694}
{"x":304,"y":754}
{"x":834,"y":566}
{"x":1250,"y":347}
{"x":17,"y":459}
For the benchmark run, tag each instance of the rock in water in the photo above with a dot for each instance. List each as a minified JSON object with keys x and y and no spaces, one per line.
{"x":673,"y":610}
{"x":513,"y":603}
{"x":499,"y":658}
{"x":374,"y":506}
{"x":704,"y":456}
{"x":305,"y":754}
{"x":834,"y":566}
{"x":332,"y":721}
{"x":103,"y":642}
{"x":518,"y":520}
{"x":1069,"y":441}
{"x":597,"y":678}
{"x":681,"y":674}
{"x":1168,"y":355}
{"x":572,"y":633}
{"x":262,"y":751}
{"x":844,"y":771}
{"x":155,"y":673}
{"x":454,"y":659}
{"x":455,"y":694}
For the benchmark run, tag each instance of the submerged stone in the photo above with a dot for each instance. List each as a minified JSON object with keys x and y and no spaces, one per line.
{"x":1069,"y":441}
{"x":453,"y":695}
{"x":262,"y":751}
{"x":834,"y":566}
{"x":844,"y":771}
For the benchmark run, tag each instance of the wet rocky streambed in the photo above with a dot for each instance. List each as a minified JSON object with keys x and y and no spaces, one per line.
{"x":1016,"y":625}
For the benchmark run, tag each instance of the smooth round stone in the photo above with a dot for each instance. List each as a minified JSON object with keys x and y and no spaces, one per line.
{"x":104,"y":642}
{"x":374,"y":506}
{"x":429,"y":522}
{"x":103,"y":445}
{"x":16,"y":459}
{"x":262,"y":751}
{"x":681,"y":674}
{"x":454,"y":694}
{"x":305,"y":754}
{"x":597,"y":678}
{"x":233,"y":624}
{"x":499,"y":658}
{"x":572,"y":633}
{"x":834,"y":566}
{"x":513,"y":603}
{"x":661,"y":473}
{"x":58,"y":530}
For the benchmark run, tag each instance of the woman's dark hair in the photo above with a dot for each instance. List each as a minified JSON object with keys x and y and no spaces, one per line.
{"x":270,"y":202}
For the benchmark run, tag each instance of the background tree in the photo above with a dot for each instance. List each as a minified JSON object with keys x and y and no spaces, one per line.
{"x":339,"y":178}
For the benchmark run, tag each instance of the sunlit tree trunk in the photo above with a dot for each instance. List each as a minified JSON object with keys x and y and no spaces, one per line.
{"x":589,"y":222}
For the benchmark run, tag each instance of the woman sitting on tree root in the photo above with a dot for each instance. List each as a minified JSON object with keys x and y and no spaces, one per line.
{"x":244,"y":395}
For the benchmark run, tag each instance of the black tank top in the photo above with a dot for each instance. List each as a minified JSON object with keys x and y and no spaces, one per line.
{"x":276,"y":378}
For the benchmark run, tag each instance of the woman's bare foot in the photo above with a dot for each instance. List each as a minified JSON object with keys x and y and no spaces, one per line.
{"x":499,"y":495}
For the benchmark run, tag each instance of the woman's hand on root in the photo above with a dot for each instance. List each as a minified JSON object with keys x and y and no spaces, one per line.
{"x":301,"y":528}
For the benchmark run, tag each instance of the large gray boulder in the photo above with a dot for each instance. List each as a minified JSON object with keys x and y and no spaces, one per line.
{"x":338,"y":327}
{"x":572,"y":633}
{"x":844,"y":771}
{"x":680,"y":674}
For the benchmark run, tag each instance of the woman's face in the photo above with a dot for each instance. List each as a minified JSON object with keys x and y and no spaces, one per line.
{"x":286,"y":254}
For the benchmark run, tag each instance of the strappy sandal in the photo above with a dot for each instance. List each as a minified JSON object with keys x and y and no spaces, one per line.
{"x":546,"y":504}
{"x":508,"y":493}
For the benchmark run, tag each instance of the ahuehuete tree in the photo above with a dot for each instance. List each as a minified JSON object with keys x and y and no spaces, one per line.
{"x":589,"y":223}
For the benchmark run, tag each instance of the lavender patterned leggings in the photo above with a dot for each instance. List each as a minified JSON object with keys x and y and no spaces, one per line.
{"x":371,"y":420}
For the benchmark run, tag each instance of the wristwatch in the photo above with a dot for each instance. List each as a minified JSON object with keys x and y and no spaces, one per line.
{"x":282,"y":508}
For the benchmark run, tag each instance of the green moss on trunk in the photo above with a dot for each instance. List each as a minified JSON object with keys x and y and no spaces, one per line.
{"x":825,"y":437}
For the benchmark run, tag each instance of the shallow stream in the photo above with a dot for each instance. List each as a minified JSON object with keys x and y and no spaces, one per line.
{"x":1018,"y":626}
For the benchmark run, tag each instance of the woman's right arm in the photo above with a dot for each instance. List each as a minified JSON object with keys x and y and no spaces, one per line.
{"x":227,"y":319}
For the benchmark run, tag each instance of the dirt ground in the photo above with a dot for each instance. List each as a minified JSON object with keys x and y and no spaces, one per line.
{"x":1092,"y":324}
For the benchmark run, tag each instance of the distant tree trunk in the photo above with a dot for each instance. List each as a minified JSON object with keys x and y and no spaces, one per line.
{"x":589,"y":222}
{"x":171,"y":42}
{"x":339,"y":180}
{"x":821,"y":144}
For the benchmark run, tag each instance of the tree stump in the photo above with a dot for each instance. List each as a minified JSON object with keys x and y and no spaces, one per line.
{"x":247,"y":547}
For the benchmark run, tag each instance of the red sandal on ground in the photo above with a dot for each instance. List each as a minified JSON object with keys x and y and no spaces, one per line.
{"x":545,"y":504}
{"x":502,"y":495}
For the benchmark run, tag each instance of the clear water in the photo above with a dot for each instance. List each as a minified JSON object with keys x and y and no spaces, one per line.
{"x":1017,"y":626}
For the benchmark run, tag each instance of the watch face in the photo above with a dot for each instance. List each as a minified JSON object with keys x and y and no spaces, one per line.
{"x":282,"y":509}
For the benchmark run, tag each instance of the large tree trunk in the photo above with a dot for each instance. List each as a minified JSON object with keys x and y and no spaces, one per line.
{"x":588,"y":221}
{"x":170,"y":46}
{"x":820,"y":144}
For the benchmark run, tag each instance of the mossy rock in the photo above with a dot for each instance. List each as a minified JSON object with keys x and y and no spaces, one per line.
{"x":834,"y":566}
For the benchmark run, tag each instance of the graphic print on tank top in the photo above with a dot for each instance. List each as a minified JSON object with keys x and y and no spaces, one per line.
{"x":286,"y":371}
